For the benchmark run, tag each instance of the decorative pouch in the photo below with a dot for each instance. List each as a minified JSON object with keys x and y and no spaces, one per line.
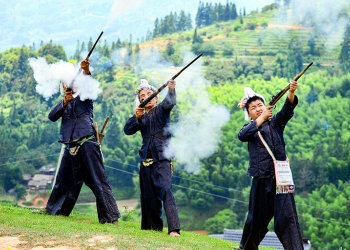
{"x":283,"y":173}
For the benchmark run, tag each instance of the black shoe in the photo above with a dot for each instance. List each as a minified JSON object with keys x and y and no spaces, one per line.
{"x":41,"y":211}
{"x":115,"y":222}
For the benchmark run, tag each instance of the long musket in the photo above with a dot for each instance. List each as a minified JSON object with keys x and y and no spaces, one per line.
{"x":63,"y":146}
{"x":143,"y":104}
{"x":277,"y":97}
{"x":86,"y":58}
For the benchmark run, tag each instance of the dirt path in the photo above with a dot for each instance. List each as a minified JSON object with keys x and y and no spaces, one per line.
{"x":14,"y":243}
{"x":131,"y":204}
{"x":40,"y":200}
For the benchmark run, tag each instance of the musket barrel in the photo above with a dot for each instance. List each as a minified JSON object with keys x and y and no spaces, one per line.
{"x":302,"y":72}
{"x":86,"y":58}
{"x":276,"y":98}
{"x":93,"y":47}
{"x":143,"y":104}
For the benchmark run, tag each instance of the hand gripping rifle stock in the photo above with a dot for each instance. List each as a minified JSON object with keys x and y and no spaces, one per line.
{"x":86,"y":58}
{"x":143,"y":104}
{"x":277,"y":97}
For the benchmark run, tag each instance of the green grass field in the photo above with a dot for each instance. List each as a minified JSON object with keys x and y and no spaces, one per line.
{"x":80,"y":231}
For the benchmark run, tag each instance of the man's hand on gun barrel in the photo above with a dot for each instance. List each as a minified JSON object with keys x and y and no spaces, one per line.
{"x":85,"y":65}
{"x":293,"y":86}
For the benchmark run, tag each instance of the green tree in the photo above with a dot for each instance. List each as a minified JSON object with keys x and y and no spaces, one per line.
{"x":200,"y":16}
{"x":196,"y":38}
{"x":56,"y":51}
{"x":208,"y":49}
{"x":170,"y":48}
{"x":344,"y":56}
{"x":234,"y":14}
{"x":223,"y":219}
{"x":20,"y":191}
{"x":156,"y":30}
{"x":312,"y":44}
{"x":294,"y":62}
{"x":12,"y":177}
{"x":76,"y":55}
{"x":240,"y":19}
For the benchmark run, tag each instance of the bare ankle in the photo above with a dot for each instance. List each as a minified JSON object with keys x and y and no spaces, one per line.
{"x":174,"y":234}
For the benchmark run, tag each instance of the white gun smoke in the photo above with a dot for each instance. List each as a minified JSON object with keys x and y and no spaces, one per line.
{"x":121,"y":8}
{"x":197,"y":132}
{"x":50,"y":76}
{"x":325,"y":17}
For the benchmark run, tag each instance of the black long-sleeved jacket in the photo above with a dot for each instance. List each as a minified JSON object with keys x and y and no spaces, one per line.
{"x":260,"y":162}
{"x":155,"y":136}
{"x":77,"y":119}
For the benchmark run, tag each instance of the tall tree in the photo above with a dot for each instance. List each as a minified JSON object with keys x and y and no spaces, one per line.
{"x":233,"y":14}
{"x":312,"y":44}
{"x":344,"y":56}
{"x":156,"y":28}
{"x":76,"y":55}
{"x":90,"y":44}
{"x":196,"y":38}
{"x":227,"y":12}
{"x":221,"y":12}
{"x":170,"y":48}
{"x":294,"y":58}
{"x":182,"y":22}
{"x":199,"y":19}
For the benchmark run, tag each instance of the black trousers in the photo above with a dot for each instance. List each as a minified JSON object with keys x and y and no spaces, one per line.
{"x":155,"y":186}
{"x":265,"y":204}
{"x":85,"y":167}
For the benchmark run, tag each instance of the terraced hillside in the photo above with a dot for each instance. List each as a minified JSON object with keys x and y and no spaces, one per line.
{"x":260,"y":36}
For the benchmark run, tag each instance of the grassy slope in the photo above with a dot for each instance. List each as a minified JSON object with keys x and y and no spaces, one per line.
{"x":76,"y":230}
{"x":275,"y":39}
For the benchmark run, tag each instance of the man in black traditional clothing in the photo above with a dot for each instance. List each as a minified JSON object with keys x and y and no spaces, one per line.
{"x":82,"y":159}
{"x":155,"y":167}
{"x":264,"y":203}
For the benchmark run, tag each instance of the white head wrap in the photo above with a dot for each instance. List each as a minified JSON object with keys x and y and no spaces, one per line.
{"x":143,"y":86}
{"x":248,"y":93}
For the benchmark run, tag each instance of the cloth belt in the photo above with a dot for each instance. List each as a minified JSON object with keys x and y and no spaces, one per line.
{"x":74,"y":146}
{"x":147,"y":162}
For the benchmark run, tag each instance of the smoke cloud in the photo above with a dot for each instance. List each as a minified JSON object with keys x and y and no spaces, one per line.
{"x":326,"y":18}
{"x":50,"y":76}
{"x":197,"y":132}
{"x":120,"y":8}
{"x":148,"y":59}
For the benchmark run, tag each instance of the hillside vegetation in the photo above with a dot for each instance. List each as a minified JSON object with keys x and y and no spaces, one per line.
{"x":252,"y":50}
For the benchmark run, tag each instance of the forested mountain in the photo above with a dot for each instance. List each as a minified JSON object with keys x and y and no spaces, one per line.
{"x":245,"y":50}
{"x":24,"y":22}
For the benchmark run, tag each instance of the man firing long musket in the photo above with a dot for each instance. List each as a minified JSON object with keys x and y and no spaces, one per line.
{"x":272,"y":185}
{"x":82,"y":158}
{"x":152,"y":119}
